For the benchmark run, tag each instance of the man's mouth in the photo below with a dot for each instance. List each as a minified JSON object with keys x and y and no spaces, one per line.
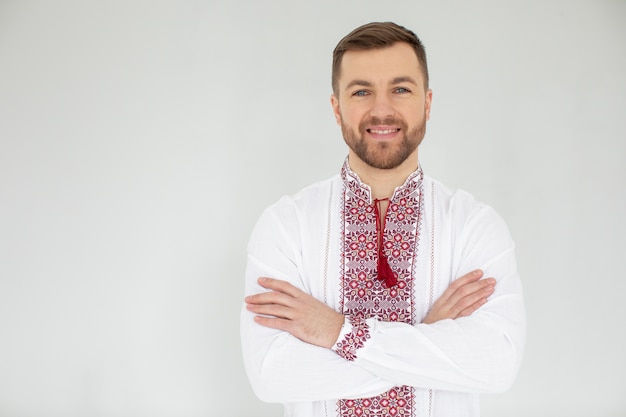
{"x":383,"y":131}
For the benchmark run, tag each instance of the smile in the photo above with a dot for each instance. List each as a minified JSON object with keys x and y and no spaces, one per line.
{"x":382,"y":132}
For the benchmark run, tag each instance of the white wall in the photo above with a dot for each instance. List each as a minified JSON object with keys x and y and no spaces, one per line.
{"x":139,"y":141}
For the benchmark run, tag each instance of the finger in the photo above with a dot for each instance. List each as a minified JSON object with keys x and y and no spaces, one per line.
{"x":272,"y":310}
{"x":472,"y":287}
{"x":470,"y":299}
{"x":459,"y":303}
{"x":274,"y":323}
{"x":461,"y":282}
{"x":467,"y":295}
{"x":270,"y":297}
{"x":472,"y":308}
{"x":470,"y":277}
{"x":279,"y":285}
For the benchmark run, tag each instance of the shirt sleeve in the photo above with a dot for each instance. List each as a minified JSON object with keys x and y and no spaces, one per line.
{"x":280,"y":367}
{"x":479,"y":353}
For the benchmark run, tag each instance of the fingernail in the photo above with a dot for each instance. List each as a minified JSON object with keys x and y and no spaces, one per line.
{"x":478,"y":273}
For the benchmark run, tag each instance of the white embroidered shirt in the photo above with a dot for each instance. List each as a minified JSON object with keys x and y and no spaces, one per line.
{"x":324,"y":241}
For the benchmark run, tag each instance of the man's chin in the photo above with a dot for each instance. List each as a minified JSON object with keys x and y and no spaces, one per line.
{"x":386,"y":163}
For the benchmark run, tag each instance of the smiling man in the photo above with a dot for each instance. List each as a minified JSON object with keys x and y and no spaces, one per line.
{"x":374,"y":110}
{"x":380,"y":292}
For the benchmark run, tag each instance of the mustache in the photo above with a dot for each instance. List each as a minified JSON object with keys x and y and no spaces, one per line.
{"x":390,"y":121}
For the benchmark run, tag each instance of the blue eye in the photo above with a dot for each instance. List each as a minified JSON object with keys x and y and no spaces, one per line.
{"x":402,"y":90}
{"x":360,"y":93}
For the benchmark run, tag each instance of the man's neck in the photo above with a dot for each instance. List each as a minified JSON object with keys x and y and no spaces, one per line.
{"x":383,"y":182}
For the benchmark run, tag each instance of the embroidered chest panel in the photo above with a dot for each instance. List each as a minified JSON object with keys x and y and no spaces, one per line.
{"x":363,"y":294}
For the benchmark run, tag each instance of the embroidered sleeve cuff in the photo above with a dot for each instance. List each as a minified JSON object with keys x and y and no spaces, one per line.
{"x":352,"y":337}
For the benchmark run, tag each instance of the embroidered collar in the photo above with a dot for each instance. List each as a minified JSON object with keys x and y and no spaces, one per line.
{"x":363,"y":191}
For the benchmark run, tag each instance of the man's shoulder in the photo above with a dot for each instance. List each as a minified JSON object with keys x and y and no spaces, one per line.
{"x":287,"y":215}
{"x":458,"y":203}
{"x":465,"y":214}
{"x":311,"y":196}
{"x":451,"y":198}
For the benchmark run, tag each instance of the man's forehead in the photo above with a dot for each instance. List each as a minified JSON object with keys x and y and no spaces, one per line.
{"x":390,"y":63}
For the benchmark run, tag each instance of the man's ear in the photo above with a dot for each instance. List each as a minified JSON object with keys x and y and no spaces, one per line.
{"x":429,"y":100}
{"x":334,"y":101}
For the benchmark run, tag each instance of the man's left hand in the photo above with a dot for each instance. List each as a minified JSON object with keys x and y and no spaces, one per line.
{"x":287,"y":308}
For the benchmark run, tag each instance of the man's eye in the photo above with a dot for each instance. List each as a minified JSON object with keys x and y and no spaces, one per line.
{"x":360,"y":93}
{"x":402,"y":90}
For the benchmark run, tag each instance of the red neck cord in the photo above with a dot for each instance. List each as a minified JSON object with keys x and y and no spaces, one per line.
{"x":385,"y":273}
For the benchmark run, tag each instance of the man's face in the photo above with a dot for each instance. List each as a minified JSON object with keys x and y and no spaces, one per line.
{"x":381,"y":104}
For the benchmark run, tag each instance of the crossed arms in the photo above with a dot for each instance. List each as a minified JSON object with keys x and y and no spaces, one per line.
{"x":471,"y":340}
{"x":287,"y":308}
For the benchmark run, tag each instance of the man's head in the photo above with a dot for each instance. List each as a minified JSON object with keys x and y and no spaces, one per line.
{"x":380,"y":95}
{"x":377,"y":35}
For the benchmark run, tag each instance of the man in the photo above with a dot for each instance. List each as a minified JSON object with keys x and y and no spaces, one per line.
{"x":352,"y":305}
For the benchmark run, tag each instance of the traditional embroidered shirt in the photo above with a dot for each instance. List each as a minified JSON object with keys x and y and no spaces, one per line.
{"x":325,"y":241}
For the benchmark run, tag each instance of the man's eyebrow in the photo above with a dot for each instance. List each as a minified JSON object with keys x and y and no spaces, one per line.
{"x":395,"y":81}
{"x":361,"y":83}
{"x":403,"y":79}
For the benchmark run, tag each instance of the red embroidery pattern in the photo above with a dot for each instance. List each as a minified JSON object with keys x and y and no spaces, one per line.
{"x":354,"y":340}
{"x":395,"y":402}
{"x":364,"y":296}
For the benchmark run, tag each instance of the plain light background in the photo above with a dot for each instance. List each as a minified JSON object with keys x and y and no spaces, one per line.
{"x":140,"y":140}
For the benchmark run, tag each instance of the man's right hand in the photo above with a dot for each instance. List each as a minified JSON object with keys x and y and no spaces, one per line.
{"x":464,"y":296}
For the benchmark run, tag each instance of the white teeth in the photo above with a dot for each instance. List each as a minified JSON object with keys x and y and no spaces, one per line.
{"x":384,"y":132}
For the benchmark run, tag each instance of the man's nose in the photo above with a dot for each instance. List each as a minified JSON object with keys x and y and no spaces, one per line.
{"x":382,"y":106}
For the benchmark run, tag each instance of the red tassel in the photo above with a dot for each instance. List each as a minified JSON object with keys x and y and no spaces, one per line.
{"x":384,"y":271}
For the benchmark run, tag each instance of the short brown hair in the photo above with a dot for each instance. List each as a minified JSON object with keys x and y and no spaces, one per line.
{"x":377,"y":35}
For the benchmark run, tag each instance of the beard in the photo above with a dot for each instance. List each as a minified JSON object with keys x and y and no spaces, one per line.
{"x":381,"y":154}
